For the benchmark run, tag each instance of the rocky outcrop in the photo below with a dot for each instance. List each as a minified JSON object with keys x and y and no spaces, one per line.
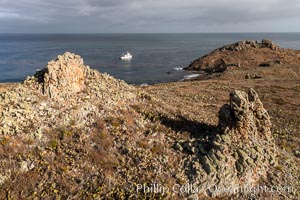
{"x":242,"y":153}
{"x":67,"y":90}
{"x":245,"y":116}
{"x":232,"y":55}
{"x":268,"y":44}
{"x":245,"y":45}
{"x":63,"y":77}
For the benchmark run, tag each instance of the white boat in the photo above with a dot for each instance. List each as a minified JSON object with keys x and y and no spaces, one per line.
{"x":126,"y":56}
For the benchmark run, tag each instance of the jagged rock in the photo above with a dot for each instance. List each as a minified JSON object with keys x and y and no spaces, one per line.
{"x":248,"y":115}
{"x":269,"y":44}
{"x":63,"y":77}
{"x":245,"y":149}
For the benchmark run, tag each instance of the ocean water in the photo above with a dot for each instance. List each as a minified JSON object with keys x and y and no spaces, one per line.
{"x":156,"y":57}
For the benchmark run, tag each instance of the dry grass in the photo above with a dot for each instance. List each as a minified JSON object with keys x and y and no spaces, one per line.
{"x":7,"y":86}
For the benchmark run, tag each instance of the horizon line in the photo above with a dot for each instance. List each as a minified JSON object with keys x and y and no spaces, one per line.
{"x":89,"y":33}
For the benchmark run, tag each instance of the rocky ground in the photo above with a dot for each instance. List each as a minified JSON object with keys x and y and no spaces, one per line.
{"x":70,"y":132}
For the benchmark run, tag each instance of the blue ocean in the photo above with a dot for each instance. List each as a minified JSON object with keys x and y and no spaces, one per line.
{"x":156,"y":57}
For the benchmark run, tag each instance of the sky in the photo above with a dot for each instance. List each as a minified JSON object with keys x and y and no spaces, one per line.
{"x":148,"y":16}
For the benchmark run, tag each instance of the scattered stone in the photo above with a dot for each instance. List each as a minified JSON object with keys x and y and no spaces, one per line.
{"x":297,"y":153}
{"x":3,"y":179}
{"x":178,"y":147}
{"x":252,"y":76}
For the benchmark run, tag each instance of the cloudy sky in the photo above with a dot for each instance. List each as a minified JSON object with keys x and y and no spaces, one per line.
{"x":119,"y":16}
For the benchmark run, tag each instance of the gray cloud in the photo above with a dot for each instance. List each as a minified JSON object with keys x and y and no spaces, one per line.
{"x":149,"y":15}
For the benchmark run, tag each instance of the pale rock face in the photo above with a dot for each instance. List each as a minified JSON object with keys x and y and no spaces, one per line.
{"x":64,"y":76}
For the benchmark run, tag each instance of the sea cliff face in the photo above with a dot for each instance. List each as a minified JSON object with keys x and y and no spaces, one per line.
{"x":72,"y":132}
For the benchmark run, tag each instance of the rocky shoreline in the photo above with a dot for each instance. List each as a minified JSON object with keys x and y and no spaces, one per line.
{"x":72,"y":132}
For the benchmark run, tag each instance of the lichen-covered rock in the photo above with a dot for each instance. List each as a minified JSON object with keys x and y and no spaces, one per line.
{"x":244,"y":151}
{"x":248,"y":116}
